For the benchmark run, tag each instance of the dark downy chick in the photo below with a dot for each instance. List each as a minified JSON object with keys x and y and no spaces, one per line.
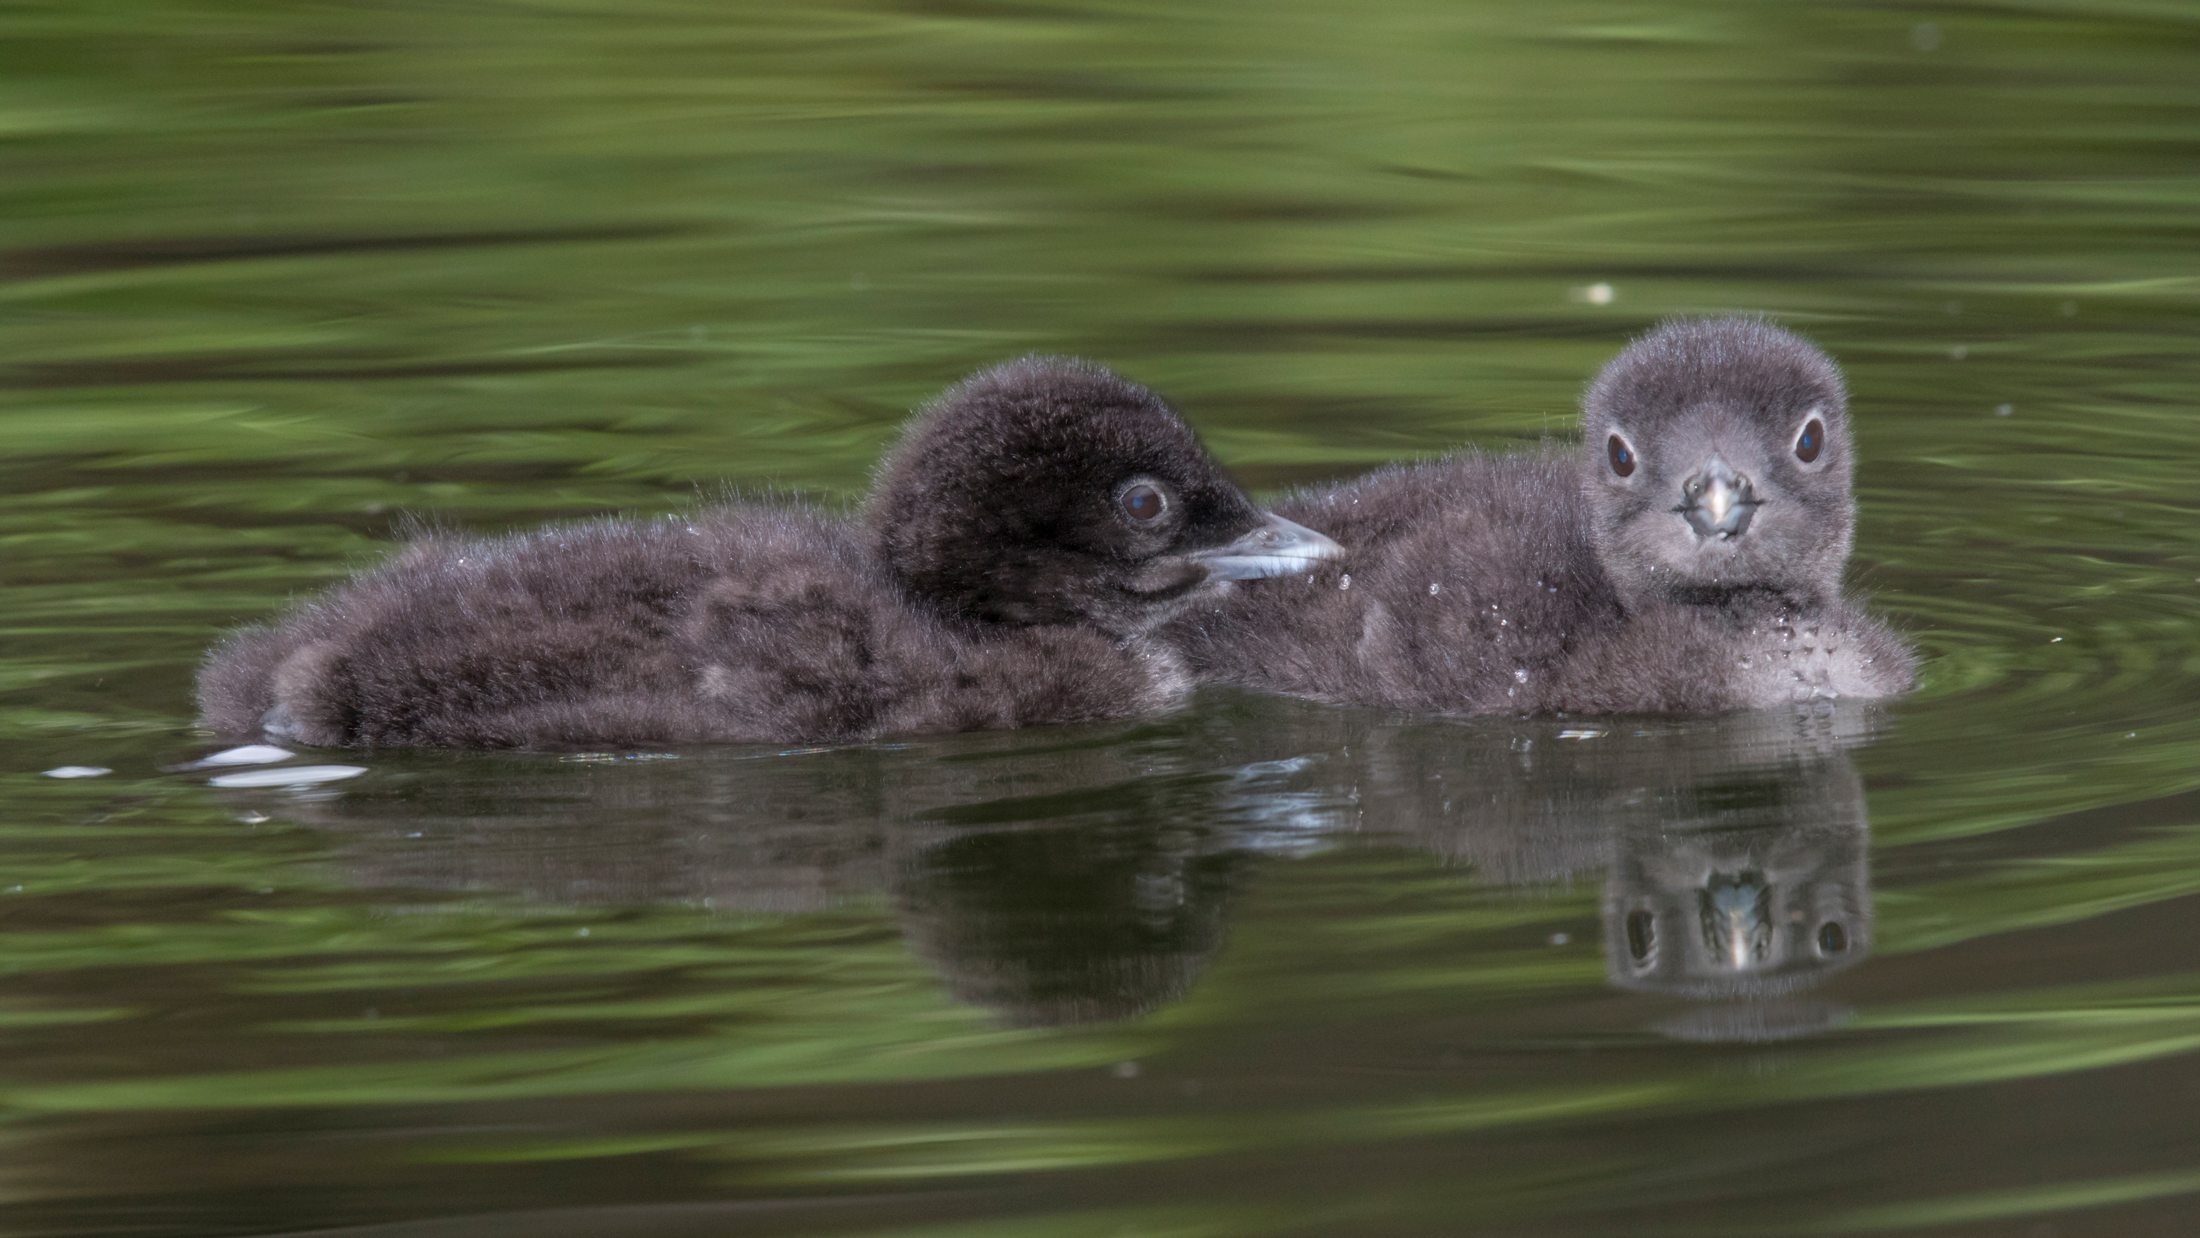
{"x":1050,"y":491}
{"x":1034,"y":522}
{"x":1692,"y":567}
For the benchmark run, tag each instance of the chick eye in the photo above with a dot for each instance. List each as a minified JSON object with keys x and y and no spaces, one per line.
{"x":1623,"y":460}
{"x":1811,"y":441}
{"x":1642,"y":936}
{"x":1143,"y":503}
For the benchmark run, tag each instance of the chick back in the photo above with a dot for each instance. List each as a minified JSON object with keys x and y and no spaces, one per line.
{"x":1465,"y":582}
{"x":736,"y":624}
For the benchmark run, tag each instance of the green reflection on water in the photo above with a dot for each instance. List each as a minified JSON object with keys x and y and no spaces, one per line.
{"x":2055,"y":1197}
{"x":272,"y":276}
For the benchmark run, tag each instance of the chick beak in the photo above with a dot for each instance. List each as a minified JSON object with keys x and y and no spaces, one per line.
{"x":1719,"y":501}
{"x":1275,"y":547}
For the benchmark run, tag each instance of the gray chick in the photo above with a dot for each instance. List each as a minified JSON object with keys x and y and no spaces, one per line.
{"x":1685,"y":558}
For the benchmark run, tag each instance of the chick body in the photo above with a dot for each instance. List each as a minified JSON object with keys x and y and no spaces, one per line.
{"x":1059,"y":513}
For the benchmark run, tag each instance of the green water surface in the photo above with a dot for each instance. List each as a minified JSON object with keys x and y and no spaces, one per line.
{"x":277,"y":277}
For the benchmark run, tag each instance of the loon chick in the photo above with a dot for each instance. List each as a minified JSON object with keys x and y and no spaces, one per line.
{"x":1031,"y":528}
{"x":1685,"y":558}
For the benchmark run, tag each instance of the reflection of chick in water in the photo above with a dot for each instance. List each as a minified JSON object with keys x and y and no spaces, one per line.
{"x":781,"y":834}
{"x":1750,"y":881}
{"x":1734,"y":849}
{"x":1050,"y":884}
{"x":1072,"y":925}
{"x":1089,"y":877}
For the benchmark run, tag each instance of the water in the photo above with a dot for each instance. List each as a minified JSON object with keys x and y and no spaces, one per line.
{"x":273,"y":277}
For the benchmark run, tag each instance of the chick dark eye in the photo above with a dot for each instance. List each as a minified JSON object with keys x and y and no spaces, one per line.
{"x":1811,"y":441}
{"x":1832,"y":938}
{"x":1623,"y":460}
{"x":1143,"y":503}
{"x":1642,"y":935}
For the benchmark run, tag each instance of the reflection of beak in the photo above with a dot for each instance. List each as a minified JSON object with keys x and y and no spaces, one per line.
{"x":1737,"y":923}
{"x":1277,"y":547}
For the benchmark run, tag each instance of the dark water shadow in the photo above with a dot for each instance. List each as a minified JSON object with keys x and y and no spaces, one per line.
{"x":94,"y":257}
{"x":330,"y":366}
{"x":1734,"y":851}
{"x":1087,"y":875}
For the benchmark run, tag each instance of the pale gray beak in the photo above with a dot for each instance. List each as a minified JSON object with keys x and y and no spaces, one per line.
{"x":1719,"y":501}
{"x":1276,"y":548}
